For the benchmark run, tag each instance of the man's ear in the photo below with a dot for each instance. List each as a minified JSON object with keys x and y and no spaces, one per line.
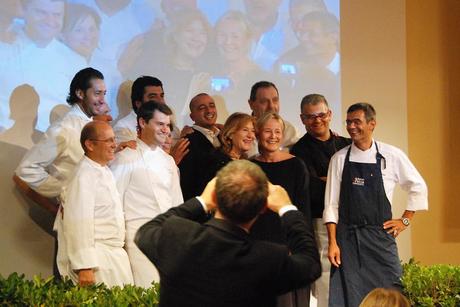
{"x":80,"y":94}
{"x":142,"y":123}
{"x":373,"y":123}
{"x":89,"y":145}
{"x":214,"y":197}
{"x":192,"y":117}
{"x":138,"y":104}
{"x":250,"y":104}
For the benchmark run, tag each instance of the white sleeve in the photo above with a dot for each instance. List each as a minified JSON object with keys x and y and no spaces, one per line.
{"x":412,"y":182}
{"x":78,"y":222}
{"x":177,"y":198}
{"x":332,"y":193}
{"x":33,"y":168}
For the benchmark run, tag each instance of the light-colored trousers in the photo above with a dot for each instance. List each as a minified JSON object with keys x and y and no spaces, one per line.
{"x":144,"y":272}
{"x":320,"y":288}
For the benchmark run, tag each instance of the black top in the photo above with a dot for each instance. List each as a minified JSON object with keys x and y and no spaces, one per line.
{"x":316,"y":154}
{"x":293,"y":176}
{"x":194,"y":167}
{"x":217,"y":264}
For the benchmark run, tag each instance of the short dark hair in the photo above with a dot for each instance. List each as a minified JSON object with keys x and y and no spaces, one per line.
{"x":137,"y":89}
{"x":89,"y":132}
{"x":367,"y":108}
{"x":82,"y":81}
{"x":313,"y":99}
{"x":147,"y":110}
{"x":242,"y":191}
{"x":260,"y":84}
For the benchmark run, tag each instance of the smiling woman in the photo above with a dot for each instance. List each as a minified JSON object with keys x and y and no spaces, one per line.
{"x":291,"y":173}
{"x":81,"y":29}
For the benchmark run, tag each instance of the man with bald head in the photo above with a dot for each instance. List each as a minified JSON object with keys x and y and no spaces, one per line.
{"x":90,"y":223}
{"x":203,"y":141}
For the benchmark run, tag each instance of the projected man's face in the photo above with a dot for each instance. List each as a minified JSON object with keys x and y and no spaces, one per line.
{"x":259,"y":11}
{"x":44,"y":19}
{"x":192,"y":39}
{"x":315,"y":40}
{"x":93,"y":99}
{"x":83,"y":37}
{"x":297,"y":12}
{"x":233,"y":40}
{"x":267,"y":100}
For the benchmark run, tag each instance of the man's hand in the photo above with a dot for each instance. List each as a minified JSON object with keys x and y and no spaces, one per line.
{"x":334,"y":254}
{"x":104,"y":117}
{"x":208,"y":194}
{"x":179,"y":150}
{"x":131,"y":144}
{"x":186,"y":131}
{"x":277,"y":198}
{"x":86,"y":277}
{"x":394,"y":227}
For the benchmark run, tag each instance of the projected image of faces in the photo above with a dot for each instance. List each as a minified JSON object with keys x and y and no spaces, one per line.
{"x":43,"y":20}
{"x":192,"y":46}
{"x":81,"y":29}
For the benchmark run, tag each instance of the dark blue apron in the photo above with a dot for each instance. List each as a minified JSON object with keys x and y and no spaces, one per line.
{"x":368,"y":253}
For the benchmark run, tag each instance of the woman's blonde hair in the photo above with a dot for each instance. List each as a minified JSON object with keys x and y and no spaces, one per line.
{"x":233,"y":123}
{"x":381,"y":297}
{"x":268,"y":116}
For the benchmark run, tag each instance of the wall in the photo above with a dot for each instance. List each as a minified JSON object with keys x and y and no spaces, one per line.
{"x":373,"y":47}
{"x":433,"y":92}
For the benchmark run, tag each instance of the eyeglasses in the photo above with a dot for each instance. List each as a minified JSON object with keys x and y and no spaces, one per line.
{"x":109,"y":141}
{"x":314,"y":116}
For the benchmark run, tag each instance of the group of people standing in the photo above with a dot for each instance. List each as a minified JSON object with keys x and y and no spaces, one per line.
{"x":120,"y":218}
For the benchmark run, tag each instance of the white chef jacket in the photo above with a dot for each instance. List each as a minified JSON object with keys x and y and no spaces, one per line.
{"x":148,"y":181}
{"x":49,"y":70}
{"x":126,"y":129}
{"x":396,"y":169}
{"x":48,"y":165}
{"x":91,"y":226}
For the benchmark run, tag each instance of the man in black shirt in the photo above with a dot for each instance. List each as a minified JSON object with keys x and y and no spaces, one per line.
{"x":316,"y":148}
{"x":194,"y":167}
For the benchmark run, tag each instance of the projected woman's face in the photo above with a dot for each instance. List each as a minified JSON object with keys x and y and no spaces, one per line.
{"x":192,"y":39}
{"x":84,"y":36}
{"x":232,"y":39}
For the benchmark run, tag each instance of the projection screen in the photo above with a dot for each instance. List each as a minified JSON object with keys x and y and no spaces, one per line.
{"x":219,"y":47}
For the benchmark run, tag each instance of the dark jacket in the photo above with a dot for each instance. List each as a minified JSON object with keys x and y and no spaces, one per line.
{"x":217,"y":264}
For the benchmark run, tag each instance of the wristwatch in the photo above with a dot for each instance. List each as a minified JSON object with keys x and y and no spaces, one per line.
{"x":405,"y":221}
